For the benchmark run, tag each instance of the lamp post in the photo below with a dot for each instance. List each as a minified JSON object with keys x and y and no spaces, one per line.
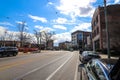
{"x":107,"y":30}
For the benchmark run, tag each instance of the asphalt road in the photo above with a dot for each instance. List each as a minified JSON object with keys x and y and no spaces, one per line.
{"x":49,"y":65}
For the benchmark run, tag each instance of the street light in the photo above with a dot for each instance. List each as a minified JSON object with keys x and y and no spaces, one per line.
{"x":107,"y":30}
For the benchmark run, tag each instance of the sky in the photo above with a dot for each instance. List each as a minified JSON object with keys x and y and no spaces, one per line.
{"x":60,"y":16}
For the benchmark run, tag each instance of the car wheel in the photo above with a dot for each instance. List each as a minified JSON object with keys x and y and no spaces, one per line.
{"x":80,"y":73}
{"x":79,"y":58}
{"x":14,"y":54}
{"x":9,"y":54}
{"x":1,"y":55}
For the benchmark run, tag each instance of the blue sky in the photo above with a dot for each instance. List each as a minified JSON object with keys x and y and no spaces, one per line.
{"x":61,"y":16}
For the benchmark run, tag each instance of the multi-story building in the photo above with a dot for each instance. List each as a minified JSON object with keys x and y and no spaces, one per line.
{"x":99,"y":29}
{"x":89,"y":42}
{"x":50,"y":44}
{"x":65,"y":45}
{"x":79,"y":39}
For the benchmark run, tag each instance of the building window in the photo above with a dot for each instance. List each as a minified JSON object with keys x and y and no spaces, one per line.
{"x":97,"y":19}
{"x":97,"y":30}
{"x":97,"y":45}
{"x":93,"y":34}
{"x":93,"y":25}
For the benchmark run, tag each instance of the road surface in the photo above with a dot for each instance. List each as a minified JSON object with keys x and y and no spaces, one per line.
{"x":49,"y":65}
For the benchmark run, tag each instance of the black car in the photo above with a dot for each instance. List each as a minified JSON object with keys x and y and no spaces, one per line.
{"x":97,"y":69}
{"x":88,"y":55}
{"x":8,"y":51}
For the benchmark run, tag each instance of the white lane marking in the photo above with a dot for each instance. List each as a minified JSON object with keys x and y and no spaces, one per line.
{"x":19,"y":78}
{"x":75,"y":77}
{"x":50,"y":76}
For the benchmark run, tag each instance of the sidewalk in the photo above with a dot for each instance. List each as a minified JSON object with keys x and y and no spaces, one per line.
{"x":105,"y":56}
{"x":105,"y":59}
{"x":33,"y":52}
{"x":22,"y":53}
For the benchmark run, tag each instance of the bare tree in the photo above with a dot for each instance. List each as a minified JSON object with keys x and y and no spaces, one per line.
{"x":22,"y":27}
{"x":47,"y":36}
{"x":37,"y":35}
{"x":43,"y":37}
{"x":3,"y":37}
{"x":10,"y":36}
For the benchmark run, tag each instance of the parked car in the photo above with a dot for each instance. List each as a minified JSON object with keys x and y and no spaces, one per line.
{"x":88,"y":55}
{"x":96,"y":69}
{"x":115,"y":71}
{"x":8,"y":51}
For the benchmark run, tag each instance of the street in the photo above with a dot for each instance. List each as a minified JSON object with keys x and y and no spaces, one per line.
{"x":49,"y":65}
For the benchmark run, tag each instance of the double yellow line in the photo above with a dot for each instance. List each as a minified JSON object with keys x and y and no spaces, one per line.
{"x":17,"y":63}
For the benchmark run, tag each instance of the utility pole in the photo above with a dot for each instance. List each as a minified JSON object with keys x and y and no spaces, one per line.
{"x":40,"y":41}
{"x":107,"y":30}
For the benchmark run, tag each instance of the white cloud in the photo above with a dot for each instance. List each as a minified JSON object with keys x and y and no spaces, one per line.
{"x":47,"y":29}
{"x":42,"y":28}
{"x":117,"y":1}
{"x":39,"y":27}
{"x":20,"y":22}
{"x":60,"y":20}
{"x":26,"y":28}
{"x":11,"y":34}
{"x":82,"y":26}
{"x":36,"y":18}
{"x":82,"y":8}
{"x":59,"y":27}
{"x":62,"y":37}
{"x":2,"y":30}
{"x":23,"y":23}
{"x":50,"y":3}
{"x":6,"y":23}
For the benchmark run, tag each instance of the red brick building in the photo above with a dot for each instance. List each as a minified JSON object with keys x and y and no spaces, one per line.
{"x":99,"y":29}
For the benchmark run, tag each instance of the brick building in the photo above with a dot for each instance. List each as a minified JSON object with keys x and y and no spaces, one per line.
{"x":99,"y":30}
{"x":9,"y":43}
{"x":50,"y":44}
{"x":79,"y":39}
{"x":65,"y":45}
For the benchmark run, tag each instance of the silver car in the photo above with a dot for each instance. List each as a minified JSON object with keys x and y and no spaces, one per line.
{"x":88,"y":55}
{"x":98,"y":69}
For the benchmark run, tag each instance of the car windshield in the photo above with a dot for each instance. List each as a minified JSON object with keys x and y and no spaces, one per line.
{"x":48,"y":39}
